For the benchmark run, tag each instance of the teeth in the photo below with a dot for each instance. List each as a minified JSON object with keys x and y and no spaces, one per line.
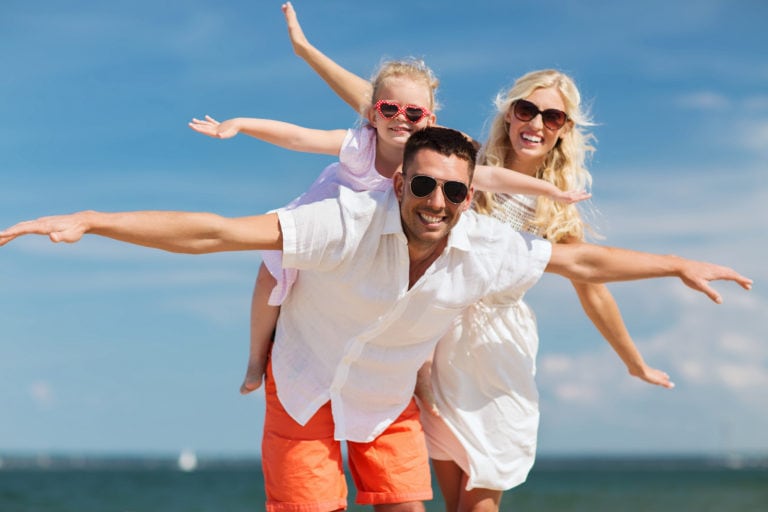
{"x":430,"y":218}
{"x":531,"y":138}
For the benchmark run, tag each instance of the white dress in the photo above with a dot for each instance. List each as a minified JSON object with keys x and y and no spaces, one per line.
{"x":356,"y":170}
{"x":483,"y":380}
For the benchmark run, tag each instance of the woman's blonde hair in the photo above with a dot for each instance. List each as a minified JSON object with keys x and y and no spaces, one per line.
{"x":410,"y":67}
{"x":564,"y":166}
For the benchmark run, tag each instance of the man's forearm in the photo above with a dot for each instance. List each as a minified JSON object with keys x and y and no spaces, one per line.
{"x":595,"y":264}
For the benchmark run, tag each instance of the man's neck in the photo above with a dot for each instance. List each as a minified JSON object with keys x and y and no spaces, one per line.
{"x":421,"y":258}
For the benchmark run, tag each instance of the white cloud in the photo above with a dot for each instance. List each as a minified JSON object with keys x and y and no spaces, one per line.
{"x":740,"y":345}
{"x":703,"y":100}
{"x":556,"y":364}
{"x":717,"y":101}
{"x":756,"y":102}
{"x":693,"y":371}
{"x":743,"y":376}
{"x":755,"y":137}
{"x":578,"y":393}
{"x":41,"y":393}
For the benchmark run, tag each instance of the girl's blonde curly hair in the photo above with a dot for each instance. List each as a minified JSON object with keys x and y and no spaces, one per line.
{"x":410,"y":67}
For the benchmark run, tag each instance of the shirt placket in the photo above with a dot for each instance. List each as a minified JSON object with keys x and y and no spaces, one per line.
{"x":355,"y":347}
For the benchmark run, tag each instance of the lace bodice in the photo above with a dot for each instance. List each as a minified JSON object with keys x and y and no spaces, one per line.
{"x":517,"y":210}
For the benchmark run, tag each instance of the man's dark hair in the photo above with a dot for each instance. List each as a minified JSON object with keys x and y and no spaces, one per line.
{"x":445,"y":141}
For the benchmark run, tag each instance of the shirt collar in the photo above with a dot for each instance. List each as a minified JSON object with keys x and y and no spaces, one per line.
{"x":392,"y":224}
{"x":459,"y":237}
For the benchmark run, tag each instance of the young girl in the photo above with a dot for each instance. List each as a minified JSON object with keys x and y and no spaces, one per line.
{"x":403,"y":101}
{"x":483,"y":417}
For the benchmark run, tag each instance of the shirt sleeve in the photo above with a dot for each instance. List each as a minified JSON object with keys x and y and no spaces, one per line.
{"x":312,"y":235}
{"x":522,"y":263}
{"x":323,"y":234}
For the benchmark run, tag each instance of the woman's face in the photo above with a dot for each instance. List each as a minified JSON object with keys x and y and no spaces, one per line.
{"x":531,"y":140}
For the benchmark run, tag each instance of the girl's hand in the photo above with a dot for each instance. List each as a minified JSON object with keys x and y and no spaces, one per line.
{"x":211,"y":127}
{"x":295,"y":33}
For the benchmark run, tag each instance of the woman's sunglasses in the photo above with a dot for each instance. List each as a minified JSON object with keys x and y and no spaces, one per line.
{"x":552,"y":118}
{"x":389,"y":109}
{"x":454,"y":191}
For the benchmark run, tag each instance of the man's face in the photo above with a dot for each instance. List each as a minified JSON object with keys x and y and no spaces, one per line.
{"x":428,"y":220}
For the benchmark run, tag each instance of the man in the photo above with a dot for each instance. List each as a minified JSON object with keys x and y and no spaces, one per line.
{"x":382,"y":278}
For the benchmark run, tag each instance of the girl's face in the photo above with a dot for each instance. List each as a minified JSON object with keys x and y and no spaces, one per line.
{"x":394,"y":126}
{"x":532,"y":140}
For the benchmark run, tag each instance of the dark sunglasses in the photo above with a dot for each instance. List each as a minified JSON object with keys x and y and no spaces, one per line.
{"x":552,"y":118}
{"x":389,"y":109}
{"x":454,"y":191}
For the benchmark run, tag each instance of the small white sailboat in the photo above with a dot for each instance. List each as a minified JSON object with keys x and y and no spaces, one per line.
{"x":187,"y":460}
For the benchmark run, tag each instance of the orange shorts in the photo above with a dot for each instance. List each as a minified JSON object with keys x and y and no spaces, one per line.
{"x":303,"y":469}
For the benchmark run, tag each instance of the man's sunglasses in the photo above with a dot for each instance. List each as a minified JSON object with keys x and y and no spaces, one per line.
{"x":552,"y":118}
{"x":389,"y":109}
{"x":454,"y":191}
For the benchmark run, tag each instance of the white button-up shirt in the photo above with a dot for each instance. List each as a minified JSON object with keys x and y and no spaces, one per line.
{"x":352,"y":332}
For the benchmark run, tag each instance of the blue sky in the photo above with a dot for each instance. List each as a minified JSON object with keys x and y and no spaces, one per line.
{"x":108,"y":348}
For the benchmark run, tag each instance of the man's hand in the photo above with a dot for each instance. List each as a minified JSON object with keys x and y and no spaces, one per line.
{"x":59,"y":228}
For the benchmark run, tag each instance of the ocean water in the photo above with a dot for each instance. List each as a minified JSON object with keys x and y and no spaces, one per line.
{"x":569,"y":485}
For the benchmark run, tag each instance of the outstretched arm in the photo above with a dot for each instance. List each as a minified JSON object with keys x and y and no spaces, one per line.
{"x":598,"y":264}
{"x":354,"y":90}
{"x":602,"y":310}
{"x":499,"y":179}
{"x":285,"y":135}
{"x":182,"y":232}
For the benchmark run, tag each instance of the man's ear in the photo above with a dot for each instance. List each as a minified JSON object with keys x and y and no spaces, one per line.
{"x":398,"y":183}
{"x":467,"y":204}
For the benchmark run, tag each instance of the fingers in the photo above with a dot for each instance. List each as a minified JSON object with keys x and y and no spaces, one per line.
{"x":711,"y":293}
{"x":68,"y":236}
{"x":295,"y":33}
{"x":20,"y":229}
{"x":744,"y":282}
{"x":573,"y":197}
{"x":289,"y":12}
{"x":700,"y":276}
{"x":59,"y":229}
{"x":661,"y":378}
{"x":580,"y":196}
{"x":209,"y":126}
{"x":726,"y":275}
